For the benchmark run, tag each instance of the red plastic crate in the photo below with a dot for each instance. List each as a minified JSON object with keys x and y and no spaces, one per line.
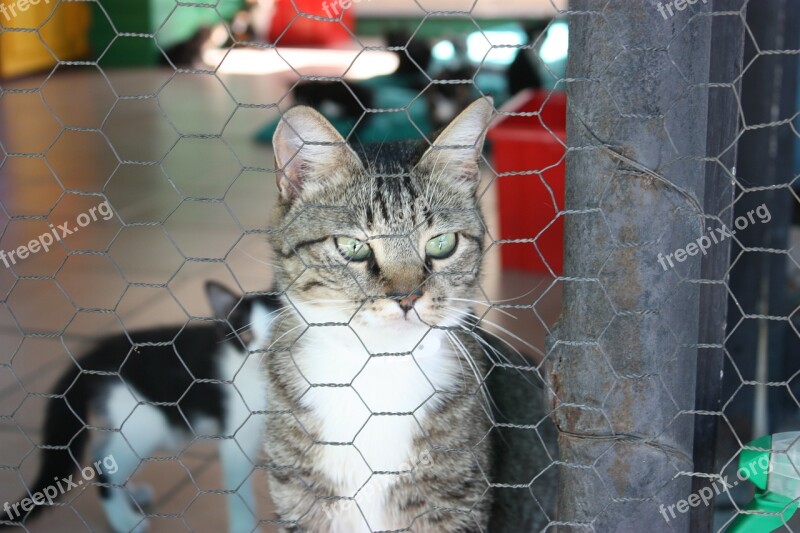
{"x":294,"y":29}
{"x":529,"y":202}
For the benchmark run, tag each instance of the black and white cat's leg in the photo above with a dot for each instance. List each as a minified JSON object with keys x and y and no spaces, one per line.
{"x":238,"y":456}
{"x":243,"y":425}
{"x":142,"y":495}
{"x":143,"y":430}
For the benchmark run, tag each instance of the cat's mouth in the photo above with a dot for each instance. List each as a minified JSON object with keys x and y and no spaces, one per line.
{"x":411,"y":320}
{"x":388,"y":317}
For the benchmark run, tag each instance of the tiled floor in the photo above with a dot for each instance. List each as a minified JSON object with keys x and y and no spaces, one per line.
{"x":173,"y":233}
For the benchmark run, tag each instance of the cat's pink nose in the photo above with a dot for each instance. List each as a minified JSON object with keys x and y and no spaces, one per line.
{"x":406,"y":301}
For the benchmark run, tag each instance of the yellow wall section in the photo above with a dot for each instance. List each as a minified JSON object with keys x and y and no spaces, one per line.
{"x":64,"y":30}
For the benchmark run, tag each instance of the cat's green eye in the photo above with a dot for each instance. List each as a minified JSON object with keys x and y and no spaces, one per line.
{"x":353,"y":249}
{"x":442,"y":246}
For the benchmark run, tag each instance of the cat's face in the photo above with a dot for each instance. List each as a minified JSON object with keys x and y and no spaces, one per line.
{"x":245,"y":323}
{"x":391,"y":239}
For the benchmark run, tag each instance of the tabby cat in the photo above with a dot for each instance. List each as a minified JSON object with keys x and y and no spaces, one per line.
{"x":379,"y":419}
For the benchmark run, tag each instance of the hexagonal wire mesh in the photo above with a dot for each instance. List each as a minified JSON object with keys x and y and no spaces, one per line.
{"x":646,"y":296}
{"x":169,"y":149}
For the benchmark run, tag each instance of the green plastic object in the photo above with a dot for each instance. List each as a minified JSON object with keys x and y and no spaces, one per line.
{"x":171,"y":24}
{"x":773,"y":468}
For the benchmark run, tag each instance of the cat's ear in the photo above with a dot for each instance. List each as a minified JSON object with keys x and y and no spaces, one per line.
{"x":222,"y":300}
{"x":308,"y":152}
{"x":456,"y":152}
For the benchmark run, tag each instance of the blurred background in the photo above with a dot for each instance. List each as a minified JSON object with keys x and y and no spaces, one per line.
{"x":168,"y":111}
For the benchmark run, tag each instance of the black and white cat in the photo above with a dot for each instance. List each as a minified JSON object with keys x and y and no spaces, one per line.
{"x":155,"y":390}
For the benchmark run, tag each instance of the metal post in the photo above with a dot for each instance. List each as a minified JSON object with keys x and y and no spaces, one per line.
{"x":642,"y":126}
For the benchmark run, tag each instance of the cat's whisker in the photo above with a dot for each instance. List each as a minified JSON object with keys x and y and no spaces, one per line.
{"x":258,"y":260}
{"x":498,"y":411}
{"x":461,"y":364}
{"x":519,"y":368}
{"x":494,"y":335}
{"x":492,"y":405}
{"x":470,"y":326}
{"x":480,"y":381}
{"x":486,"y":304}
{"x":507,"y":332}
{"x":521,"y":296}
{"x":462,"y":353}
{"x":279,"y":312}
{"x":483,"y":344}
{"x":327,"y":308}
{"x":326,"y":300}
{"x":284,"y":334}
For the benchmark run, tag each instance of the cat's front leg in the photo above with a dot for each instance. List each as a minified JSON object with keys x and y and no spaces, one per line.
{"x":238,"y":468}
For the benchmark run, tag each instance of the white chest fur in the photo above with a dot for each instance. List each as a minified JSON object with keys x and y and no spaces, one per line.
{"x":369,"y":408}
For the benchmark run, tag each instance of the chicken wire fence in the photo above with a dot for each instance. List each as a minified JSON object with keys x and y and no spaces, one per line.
{"x":675,"y":342}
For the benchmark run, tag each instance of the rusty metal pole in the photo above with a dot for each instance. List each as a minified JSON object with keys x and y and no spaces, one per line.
{"x":652,"y":115}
